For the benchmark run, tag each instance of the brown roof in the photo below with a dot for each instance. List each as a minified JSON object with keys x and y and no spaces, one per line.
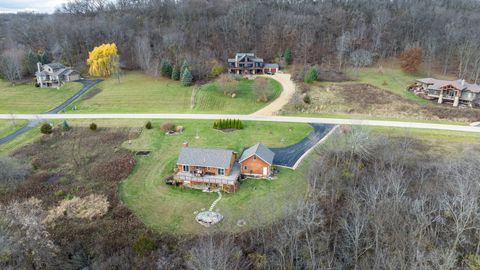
{"x":459,"y":84}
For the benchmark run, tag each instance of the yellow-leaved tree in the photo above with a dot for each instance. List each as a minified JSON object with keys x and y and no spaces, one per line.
{"x":103,"y":61}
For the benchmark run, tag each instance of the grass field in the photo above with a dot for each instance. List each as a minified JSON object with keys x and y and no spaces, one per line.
{"x":139,"y":93}
{"x":8,"y":126}
{"x":390,"y":77}
{"x":209,"y":100}
{"x":26,"y":98}
{"x":167,"y":208}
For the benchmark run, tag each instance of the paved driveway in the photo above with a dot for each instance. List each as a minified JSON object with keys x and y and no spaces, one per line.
{"x":87,"y":84}
{"x":291,"y":156}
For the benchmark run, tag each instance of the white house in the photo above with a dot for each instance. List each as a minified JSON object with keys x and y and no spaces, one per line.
{"x":55,"y":74}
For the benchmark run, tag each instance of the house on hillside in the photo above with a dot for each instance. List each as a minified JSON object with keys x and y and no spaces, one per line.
{"x":248,"y":63}
{"x":457,"y":92}
{"x":55,"y":74}
{"x":212,"y":169}
{"x":204,"y":168}
{"x":257,"y":161}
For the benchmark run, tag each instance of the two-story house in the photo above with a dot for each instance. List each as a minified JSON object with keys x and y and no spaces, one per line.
{"x":54,"y":74}
{"x":248,"y":63}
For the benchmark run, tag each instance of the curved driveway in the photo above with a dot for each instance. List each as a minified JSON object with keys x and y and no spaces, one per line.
{"x":87,"y":84}
{"x":288,"y":89}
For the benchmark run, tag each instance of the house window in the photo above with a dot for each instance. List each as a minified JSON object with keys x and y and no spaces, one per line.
{"x":221,"y":171}
{"x":245,"y":167}
{"x":254,"y":157}
{"x":186,"y":168}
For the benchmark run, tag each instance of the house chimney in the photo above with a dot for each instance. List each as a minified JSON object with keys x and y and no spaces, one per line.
{"x":185,"y":144}
{"x":39,"y":66}
{"x":463,"y":82}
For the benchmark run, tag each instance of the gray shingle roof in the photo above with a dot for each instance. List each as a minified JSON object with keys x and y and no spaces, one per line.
{"x":56,"y":66}
{"x":205,"y":157}
{"x":459,"y":84}
{"x":261,"y":151}
{"x":271,"y":66}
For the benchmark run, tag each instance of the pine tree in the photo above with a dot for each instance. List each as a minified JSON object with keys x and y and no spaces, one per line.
{"x":66,"y":126}
{"x":187,"y":78}
{"x":43,"y":57}
{"x":31,"y":61}
{"x":288,"y":56}
{"x":184,"y":66}
{"x":175,"y":73}
{"x":241,"y":125}
{"x":311,"y":75}
{"x":166,"y":69}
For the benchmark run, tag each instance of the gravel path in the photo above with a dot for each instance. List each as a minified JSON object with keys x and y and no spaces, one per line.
{"x":215,"y":202}
{"x":288,"y":89}
{"x":87,"y":84}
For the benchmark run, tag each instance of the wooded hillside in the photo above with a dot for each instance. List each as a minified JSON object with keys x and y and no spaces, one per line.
{"x":331,"y":32}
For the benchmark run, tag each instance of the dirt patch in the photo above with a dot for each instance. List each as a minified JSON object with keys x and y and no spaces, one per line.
{"x":228,"y":130}
{"x":364,"y":99}
{"x":329,"y":75}
{"x":92,"y":93}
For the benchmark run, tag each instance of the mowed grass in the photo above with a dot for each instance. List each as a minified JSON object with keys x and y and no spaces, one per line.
{"x":209,"y":99}
{"x":26,"y":98}
{"x":139,"y":93}
{"x":136,"y":93}
{"x":167,"y":208}
{"x":9,"y":126}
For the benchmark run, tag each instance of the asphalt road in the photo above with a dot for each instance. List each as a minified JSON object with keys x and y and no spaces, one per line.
{"x":287,"y":119}
{"x":291,"y":155}
{"x":87,"y":84}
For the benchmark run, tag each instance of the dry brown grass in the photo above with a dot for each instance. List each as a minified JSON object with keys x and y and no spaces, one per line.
{"x":89,"y":207}
{"x":364,"y":99}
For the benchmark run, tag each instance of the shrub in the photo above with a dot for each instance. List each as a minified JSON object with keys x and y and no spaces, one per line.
{"x":307,"y":99}
{"x":166,"y":69}
{"x":217,"y":69}
{"x":46,"y":128}
{"x":176,"y":73}
{"x":228,"y":123}
{"x":167,"y":126}
{"x":144,"y":246}
{"x":262,"y":89}
{"x":226,"y":84}
{"x":311,"y":75}
{"x":93,"y":126}
{"x":148,"y":125}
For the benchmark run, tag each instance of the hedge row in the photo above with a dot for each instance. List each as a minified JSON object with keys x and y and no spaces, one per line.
{"x":228,"y":123}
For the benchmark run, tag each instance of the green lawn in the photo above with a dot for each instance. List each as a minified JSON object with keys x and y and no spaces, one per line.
{"x":139,"y":93}
{"x":26,"y":98}
{"x":9,"y":126}
{"x":210,"y":100}
{"x":429,"y":134}
{"x":391,"y":78}
{"x":166,"y":208}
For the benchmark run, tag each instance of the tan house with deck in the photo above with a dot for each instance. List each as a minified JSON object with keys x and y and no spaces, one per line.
{"x":458,"y":91}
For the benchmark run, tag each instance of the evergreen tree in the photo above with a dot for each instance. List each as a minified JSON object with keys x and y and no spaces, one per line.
{"x":66,"y":126}
{"x":31,"y":60}
{"x":187,"y":78}
{"x":287,"y":55}
{"x":43,"y":57}
{"x":175,"y":73}
{"x":184,"y":66}
{"x":166,"y":69}
{"x":311,"y":75}
{"x":240,"y":125}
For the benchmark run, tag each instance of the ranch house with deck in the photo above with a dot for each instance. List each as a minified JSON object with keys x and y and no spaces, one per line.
{"x":457,"y":92}
{"x":209,"y":168}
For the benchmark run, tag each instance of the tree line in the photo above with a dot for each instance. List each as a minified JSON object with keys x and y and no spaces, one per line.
{"x":335,"y":33}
